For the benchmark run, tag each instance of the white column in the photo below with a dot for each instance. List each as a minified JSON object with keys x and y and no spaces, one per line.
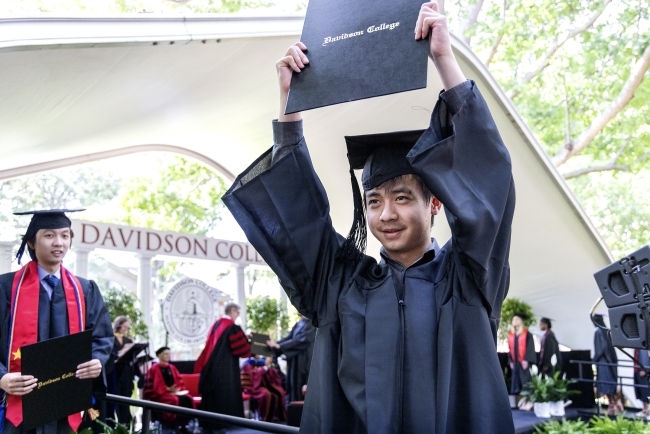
{"x":81,"y":262}
{"x":6,"y":256}
{"x":241,"y":294}
{"x":144,"y":288}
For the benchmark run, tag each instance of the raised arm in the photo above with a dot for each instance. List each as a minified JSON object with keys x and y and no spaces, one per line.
{"x":294,"y":60}
{"x":282,"y":207}
{"x":465,"y":164}
{"x":433,"y":24}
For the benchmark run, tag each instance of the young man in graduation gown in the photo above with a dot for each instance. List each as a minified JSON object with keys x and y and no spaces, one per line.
{"x":164,"y":384}
{"x":406,"y":345}
{"x":218,"y":364}
{"x":297,"y":346}
{"x":48,"y":301}
{"x":549,"y":348}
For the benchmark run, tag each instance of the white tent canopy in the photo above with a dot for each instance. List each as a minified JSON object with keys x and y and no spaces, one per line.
{"x":81,"y":89}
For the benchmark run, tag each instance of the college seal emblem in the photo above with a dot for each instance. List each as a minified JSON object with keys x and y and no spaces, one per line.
{"x":189,"y":309}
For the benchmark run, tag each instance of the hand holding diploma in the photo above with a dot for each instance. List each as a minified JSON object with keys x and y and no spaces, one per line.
{"x":433,"y":24}
{"x":90,"y":369}
{"x":14,"y":383}
{"x":294,"y":60}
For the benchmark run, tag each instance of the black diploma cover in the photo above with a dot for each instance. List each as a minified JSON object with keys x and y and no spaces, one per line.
{"x":358,"y":49}
{"x":58,"y":393}
{"x":258,"y":344}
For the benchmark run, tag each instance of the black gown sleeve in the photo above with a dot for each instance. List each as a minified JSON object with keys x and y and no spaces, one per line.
{"x":465,"y":164}
{"x":531,"y":356}
{"x":98,"y":319}
{"x":284,"y":212}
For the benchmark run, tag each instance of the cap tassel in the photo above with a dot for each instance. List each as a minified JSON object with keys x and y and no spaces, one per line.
{"x":354,"y":246}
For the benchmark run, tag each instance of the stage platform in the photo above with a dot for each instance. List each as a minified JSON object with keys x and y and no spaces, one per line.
{"x":525,"y":421}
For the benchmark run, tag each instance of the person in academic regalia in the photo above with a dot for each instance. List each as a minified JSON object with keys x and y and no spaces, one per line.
{"x":642,"y":393}
{"x":121,"y":372}
{"x":407,"y":344}
{"x":49,"y":301}
{"x":521,"y":354}
{"x":260,"y":380}
{"x":164,"y":384}
{"x":606,"y":376}
{"x":218,"y":364}
{"x":550,"y":357}
{"x":297,"y":346}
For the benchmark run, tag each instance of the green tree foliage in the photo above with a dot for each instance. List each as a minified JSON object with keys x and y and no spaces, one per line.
{"x":133,"y":6}
{"x":71,"y":187}
{"x":119,"y":302}
{"x":512,"y":306}
{"x":182,"y":196}
{"x":265,"y":314}
{"x":577,"y":72}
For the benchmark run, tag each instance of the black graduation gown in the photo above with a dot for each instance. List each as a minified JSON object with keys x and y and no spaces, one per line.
{"x":550,"y":348}
{"x":604,"y":352}
{"x":120,"y":382}
{"x":53,"y":322}
{"x":298,"y":346}
{"x":358,"y":364}
{"x":642,"y":393}
{"x":520,"y":376}
{"x":219,"y":383}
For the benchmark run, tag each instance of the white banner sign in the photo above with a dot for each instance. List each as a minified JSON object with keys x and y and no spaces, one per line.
{"x":149,"y":242}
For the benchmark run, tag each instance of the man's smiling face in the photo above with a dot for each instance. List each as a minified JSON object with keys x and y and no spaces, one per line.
{"x":399,"y":216}
{"x":51,"y":246}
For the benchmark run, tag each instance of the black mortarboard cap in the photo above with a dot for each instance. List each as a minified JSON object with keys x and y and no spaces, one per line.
{"x":546,"y":321}
{"x":43,"y":219}
{"x":598,"y":320}
{"x":382,"y":157}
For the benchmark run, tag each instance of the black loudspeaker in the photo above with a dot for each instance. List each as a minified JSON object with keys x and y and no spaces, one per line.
{"x":625,"y":287}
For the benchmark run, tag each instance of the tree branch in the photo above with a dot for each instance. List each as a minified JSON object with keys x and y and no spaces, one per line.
{"x":634,"y":80}
{"x":612,"y":165}
{"x":493,"y":49}
{"x":470,"y":22}
{"x":497,"y":41}
{"x":567,"y":115}
{"x":600,"y":168}
{"x":546,"y":58}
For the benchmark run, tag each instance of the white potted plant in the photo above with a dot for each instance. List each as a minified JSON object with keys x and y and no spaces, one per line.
{"x":559,"y":392}
{"x":538,"y":392}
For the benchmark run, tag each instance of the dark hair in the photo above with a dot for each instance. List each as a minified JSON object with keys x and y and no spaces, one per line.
{"x":161,"y":349}
{"x":387,"y":185}
{"x":230,"y":306}
{"x":546,"y":321}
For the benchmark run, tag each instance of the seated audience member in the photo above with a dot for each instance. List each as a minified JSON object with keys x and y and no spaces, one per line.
{"x":164,"y":384}
{"x":261,"y":381}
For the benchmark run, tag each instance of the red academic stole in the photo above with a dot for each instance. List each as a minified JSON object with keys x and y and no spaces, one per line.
{"x":221,"y":326}
{"x":521,"y":345}
{"x":23,"y":328}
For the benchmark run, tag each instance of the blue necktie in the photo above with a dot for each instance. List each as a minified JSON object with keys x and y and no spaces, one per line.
{"x":51,"y":280}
